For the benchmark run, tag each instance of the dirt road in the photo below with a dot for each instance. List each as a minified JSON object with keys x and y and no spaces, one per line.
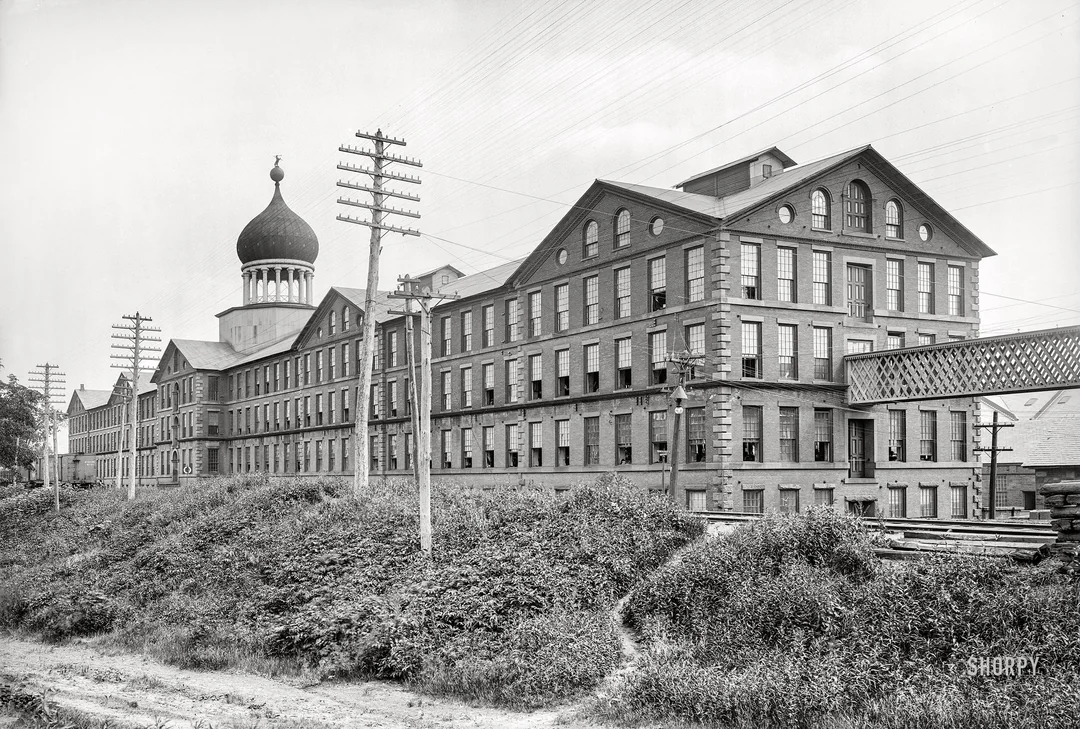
{"x":131,"y":691}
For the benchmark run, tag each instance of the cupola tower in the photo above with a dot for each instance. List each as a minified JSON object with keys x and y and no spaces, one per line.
{"x":277,"y":252}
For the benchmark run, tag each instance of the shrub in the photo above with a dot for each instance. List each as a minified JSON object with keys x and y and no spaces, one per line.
{"x":511,"y":608}
{"x":790,"y":621}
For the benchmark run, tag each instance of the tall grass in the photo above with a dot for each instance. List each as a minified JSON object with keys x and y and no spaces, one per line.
{"x":791,"y":622}
{"x":290,"y":575}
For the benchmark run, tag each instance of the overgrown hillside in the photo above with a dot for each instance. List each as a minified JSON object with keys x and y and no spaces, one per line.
{"x":791,"y":622}
{"x":291,"y":575}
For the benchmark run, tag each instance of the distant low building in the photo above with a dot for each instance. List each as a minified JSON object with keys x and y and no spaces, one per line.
{"x":1045,"y":447}
{"x":96,"y":428}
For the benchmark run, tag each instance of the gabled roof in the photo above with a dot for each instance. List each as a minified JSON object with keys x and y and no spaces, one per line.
{"x":358,"y":297}
{"x":744,"y":201}
{"x":439,"y":268}
{"x":1055,"y":442}
{"x":690,"y":201}
{"x":775,"y":152}
{"x":482,"y":281}
{"x":91,"y":399}
{"x":1038,"y":421}
{"x":702,"y":208}
{"x":206,"y":355}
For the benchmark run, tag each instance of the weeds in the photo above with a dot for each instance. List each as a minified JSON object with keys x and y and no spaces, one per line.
{"x":298,"y":576}
{"x":791,"y":622}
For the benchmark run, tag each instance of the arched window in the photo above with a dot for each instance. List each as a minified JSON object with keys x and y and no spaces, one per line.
{"x":344,"y":318}
{"x":592,"y":236}
{"x":894,"y":220}
{"x":857,"y":206}
{"x":333,"y":322}
{"x":622,"y":228}
{"x":820,"y":207}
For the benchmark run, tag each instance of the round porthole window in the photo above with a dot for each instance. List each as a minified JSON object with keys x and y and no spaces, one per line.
{"x":786,"y":213}
{"x":926,"y":232}
{"x":657,"y":226}
{"x":561,"y":256}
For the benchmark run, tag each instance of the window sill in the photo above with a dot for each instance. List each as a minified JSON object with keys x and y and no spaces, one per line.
{"x":856,"y":234}
{"x":791,"y":466}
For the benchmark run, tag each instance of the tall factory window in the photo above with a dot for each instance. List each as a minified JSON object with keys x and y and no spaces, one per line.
{"x":592,"y":299}
{"x":695,"y":274}
{"x":785,"y":274}
{"x":751,"y":449}
{"x":750,"y":266}
{"x":657,"y":284}
{"x":622,"y":293}
{"x":624,"y":450}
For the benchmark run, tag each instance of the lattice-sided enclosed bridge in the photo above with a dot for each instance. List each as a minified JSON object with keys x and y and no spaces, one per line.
{"x":1044,"y":360}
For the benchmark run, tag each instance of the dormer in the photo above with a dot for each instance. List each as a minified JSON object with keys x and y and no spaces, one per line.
{"x":438,"y":278}
{"x":742,"y":174}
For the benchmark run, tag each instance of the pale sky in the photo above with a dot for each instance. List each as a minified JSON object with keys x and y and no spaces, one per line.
{"x":136,"y":136}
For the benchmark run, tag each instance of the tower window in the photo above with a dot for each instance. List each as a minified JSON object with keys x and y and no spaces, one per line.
{"x":858,"y":207}
{"x":622,"y":228}
{"x":894,"y":220}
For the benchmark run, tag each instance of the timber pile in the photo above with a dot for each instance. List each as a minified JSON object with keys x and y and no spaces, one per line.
{"x":1063,"y":498}
{"x":986,"y":539}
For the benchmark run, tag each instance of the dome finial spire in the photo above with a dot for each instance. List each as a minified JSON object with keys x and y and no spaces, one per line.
{"x":277,"y":174}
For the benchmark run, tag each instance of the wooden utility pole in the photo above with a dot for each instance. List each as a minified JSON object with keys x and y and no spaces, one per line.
{"x":409,"y":291}
{"x":413,"y":394}
{"x":684,"y":365}
{"x":135,"y":341}
{"x":124,"y":391}
{"x":993,"y":450}
{"x":378,"y":210}
{"x":52,"y":387}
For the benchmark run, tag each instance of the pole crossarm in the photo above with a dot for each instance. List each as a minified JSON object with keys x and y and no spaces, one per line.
{"x":378,"y":208}
{"x":368,"y":223}
{"x":1048,"y":359}
{"x":382,"y":157}
{"x":376,"y":173}
{"x":388,"y":193}
{"x":379,"y":137}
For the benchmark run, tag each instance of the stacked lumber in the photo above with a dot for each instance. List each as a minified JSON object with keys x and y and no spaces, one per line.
{"x":984,"y":539}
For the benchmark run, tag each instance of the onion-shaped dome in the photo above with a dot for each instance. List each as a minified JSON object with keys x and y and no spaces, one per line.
{"x":277,"y":232}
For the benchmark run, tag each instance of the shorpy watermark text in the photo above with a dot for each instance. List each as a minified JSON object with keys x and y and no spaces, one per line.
{"x":1010,"y":666}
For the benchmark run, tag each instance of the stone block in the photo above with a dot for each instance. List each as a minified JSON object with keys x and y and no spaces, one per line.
{"x":1060,"y":512}
{"x":1070,"y":498}
{"x":1061,"y":525}
{"x":1058,"y":500}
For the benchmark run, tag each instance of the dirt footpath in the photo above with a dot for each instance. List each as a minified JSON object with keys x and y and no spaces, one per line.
{"x":128,"y":690}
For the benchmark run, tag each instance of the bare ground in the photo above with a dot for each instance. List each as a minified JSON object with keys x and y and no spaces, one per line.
{"x":131,"y":691}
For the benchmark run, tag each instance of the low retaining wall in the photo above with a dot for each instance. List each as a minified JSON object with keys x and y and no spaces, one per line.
{"x":1063,"y":499}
